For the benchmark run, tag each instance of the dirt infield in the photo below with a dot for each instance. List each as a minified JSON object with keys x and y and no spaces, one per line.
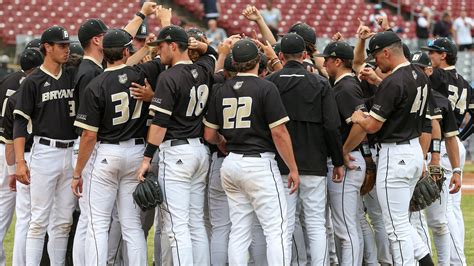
{"x":468,"y":183}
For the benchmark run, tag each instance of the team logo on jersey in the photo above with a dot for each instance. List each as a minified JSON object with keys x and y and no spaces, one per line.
{"x":179,"y":162}
{"x":376,"y":107}
{"x":156,"y":100}
{"x":123,"y":78}
{"x":414,"y":74}
{"x":21,"y":80}
{"x":402,"y":162}
{"x":194,"y":73}
{"x":238,"y":85}
{"x":46,"y":84}
{"x":81,"y":117}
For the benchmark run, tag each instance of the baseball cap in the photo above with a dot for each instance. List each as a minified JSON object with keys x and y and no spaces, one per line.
{"x":90,"y":28}
{"x":406,"y":51}
{"x":338,"y":49}
{"x":55,"y":34}
{"x":277,"y":47}
{"x":171,"y":33}
{"x":244,"y":51}
{"x":420,"y":58}
{"x":263,"y":62}
{"x":35,"y":44}
{"x":76,"y":48}
{"x":441,"y":45}
{"x":30,"y":58}
{"x":116,"y":38}
{"x":305,"y":31}
{"x":228,"y":63}
{"x":382,"y":40}
{"x":196,"y":34}
{"x":292,"y":43}
{"x":142,"y":32}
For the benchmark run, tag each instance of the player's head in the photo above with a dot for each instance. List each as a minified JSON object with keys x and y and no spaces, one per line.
{"x":55,"y":44}
{"x":172,"y":41}
{"x":387,"y":50}
{"x":117,"y":45}
{"x":406,"y":51}
{"x":229,"y":69}
{"x":140,"y":37}
{"x":423,"y":61}
{"x":308,"y":34}
{"x":292,"y":48}
{"x":262,"y":66}
{"x":30,"y":59}
{"x":91,"y":34}
{"x":75,"y":54}
{"x":338,"y":56}
{"x":442,"y":51}
{"x":199,"y":36}
{"x":34,"y":44}
{"x":246,"y":56}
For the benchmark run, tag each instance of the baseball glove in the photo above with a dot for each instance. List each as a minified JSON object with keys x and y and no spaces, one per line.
{"x":428,"y":189}
{"x":370,"y":176}
{"x":147,"y":194}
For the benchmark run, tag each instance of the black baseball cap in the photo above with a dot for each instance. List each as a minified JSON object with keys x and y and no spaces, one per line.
{"x":116,"y":38}
{"x":263,"y":62}
{"x":33,"y":44}
{"x":90,"y":28}
{"x":142,"y":32}
{"x":340,"y":50}
{"x":244,"y":51}
{"x":76,"y":48}
{"x":197,"y":34}
{"x":277,"y":47}
{"x":406,"y":51}
{"x":441,"y":45}
{"x":305,"y":31}
{"x":292,"y":43}
{"x":228,"y":63}
{"x":171,"y":33}
{"x":30,"y":58}
{"x":422,"y":59}
{"x":382,"y":40}
{"x":55,"y":34}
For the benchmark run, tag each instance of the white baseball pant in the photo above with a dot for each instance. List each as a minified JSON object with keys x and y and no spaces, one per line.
{"x":312,"y":195}
{"x":7,"y":203}
{"x":299,"y":252}
{"x":453,"y":211}
{"x":344,"y":200}
{"x":418,"y":221}
{"x":399,"y":168}
{"x":370,"y":249}
{"x":182,"y":175}
{"x":113,"y":180}
{"x":254,"y":185}
{"x":52,"y":202}
{"x":333,"y":259}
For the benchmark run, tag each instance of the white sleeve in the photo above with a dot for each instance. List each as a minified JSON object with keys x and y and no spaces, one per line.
{"x":422,"y":22}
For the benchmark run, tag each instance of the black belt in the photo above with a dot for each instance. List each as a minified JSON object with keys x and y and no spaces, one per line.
{"x":57,"y":144}
{"x":402,"y":142}
{"x":253,"y":155}
{"x":177,"y":142}
{"x":138,"y":141}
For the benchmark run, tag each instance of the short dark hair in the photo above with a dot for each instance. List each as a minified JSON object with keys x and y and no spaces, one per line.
{"x":182,"y":46}
{"x":112,"y":55}
{"x":246,"y":66}
{"x":347,"y":63}
{"x":451,"y":59}
{"x":86,"y":44}
{"x":310,"y":47}
{"x":43,"y":49}
{"x":289,"y":57}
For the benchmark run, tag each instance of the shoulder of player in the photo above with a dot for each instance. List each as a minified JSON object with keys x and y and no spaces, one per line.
{"x":348,"y":85}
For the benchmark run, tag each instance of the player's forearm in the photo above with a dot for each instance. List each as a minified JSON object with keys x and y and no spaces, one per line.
{"x":212,"y":136}
{"x":9,"y":154}
{"x":133,"y":25}
{"x":19,"y":146}
{"x":265,"y":31}
{"x":356,"y":135}
{"x":435,"y":135}
{"x":156,"y":134}
{"x":282,"y":141}
{"x":137,"y":56}
{"x":425,"y":140}
{"x":359,"y":55}
{"x":86,"y":146}
{"x":453,"y":151}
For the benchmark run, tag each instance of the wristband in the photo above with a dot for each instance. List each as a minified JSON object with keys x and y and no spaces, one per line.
{"x":76,"y":177}
{"x":457,"y":170}
{"x":140,"y":14}
{"x":150,"y":150}
{"x":435,"y":146}
{"x":11,"y":169}
{"x":365,"y":149}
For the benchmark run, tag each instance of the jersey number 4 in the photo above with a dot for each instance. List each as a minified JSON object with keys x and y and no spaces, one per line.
{"x":123,"y":107}
{"x":420,"y":100}
{"x":198,"y":99}
{"x":236,"y":109}
{"x":457,"y":101}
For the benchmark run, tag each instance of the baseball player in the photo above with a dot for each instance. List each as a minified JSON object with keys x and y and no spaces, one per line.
{"x":46,"y":96}
{"x":312,"y":110}
{"x":345,"y":197}
{"x":397,"y":125}
{"x":179,"y":104}
{"x":446,"y":80}
{"x":252,"y":124}
{"x":117,"y":121}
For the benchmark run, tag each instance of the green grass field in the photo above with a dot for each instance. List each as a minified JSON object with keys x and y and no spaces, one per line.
{"x":467,"y":206}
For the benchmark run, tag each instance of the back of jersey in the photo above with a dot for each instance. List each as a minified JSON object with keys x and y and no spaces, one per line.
{"x":181,"y":96}
{"x":459,"y":93}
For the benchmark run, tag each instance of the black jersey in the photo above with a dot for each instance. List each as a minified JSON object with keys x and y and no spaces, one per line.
{"x":445,"y":113}
{"x":48,"y":101}
{"x":108,"y":107}
{"x":87,"y":71}
{"x":453,"y":86}
{"x":314,"y":122}
{"x":349,"y":98}
{"x":8,"y":123}
{"x":8,"y":86}
{"x":400,"y":103}
{"x":181,"y":95}
{"x":244,"y":110}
